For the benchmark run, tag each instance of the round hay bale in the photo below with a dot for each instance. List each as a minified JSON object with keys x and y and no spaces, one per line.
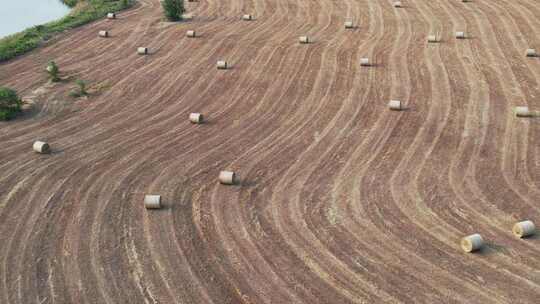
{"x":191,"y":33}
{"x":524,"y":229}
{"x":222,"y":65}
{"x":227,"y":177}
{"x":152,"y":201}
{"x":530,"y":53}
{"x":472,"y":243}
{"x":111,"y":16}
{"x":522,"y":111}
{"x":432,"y":38}
{"x":395,"y":105}
{"x":142,"y":50}
{"x":349,"y":24}
{"x":397,"y":4}
{"x":460,"y":35}
{"x":304,"y":39}
{"x":247,"y":17}
{"x":104,"y":34}
{"x":196,"y":118}
{"x":364,"y":62}
{"x":41,"y":147}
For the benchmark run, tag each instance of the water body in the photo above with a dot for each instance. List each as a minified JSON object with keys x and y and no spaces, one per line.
{"x":17,"y":15}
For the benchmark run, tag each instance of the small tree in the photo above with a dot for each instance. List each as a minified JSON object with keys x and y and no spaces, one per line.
{"x":53,"y":71}
{"x":173,"y":9}
{"x":82,"y":86}
{"x":10,"y":103}
{"x":81,"y":89}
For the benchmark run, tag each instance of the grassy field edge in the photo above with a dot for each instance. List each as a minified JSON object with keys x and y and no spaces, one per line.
{"x":83,"y":12}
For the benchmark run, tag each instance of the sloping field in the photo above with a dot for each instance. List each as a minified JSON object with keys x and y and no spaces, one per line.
{"x":340,"y":200}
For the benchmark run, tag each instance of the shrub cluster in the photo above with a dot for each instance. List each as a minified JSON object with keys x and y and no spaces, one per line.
{"x":80,"y":90}
{"x":53,"y":71}
{"x":174,"y":9}
{"x":10,"y":103}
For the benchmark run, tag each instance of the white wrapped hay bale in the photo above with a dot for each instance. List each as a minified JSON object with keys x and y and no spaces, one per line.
{"x":395,"y":105}
{"x":227,"y":177}
{"x":247,"y":17}
{"x":41,"y":147}
{"x":142,"y":50}
{"x":111,"y":16}
{"x":432,"y":38}
{"x":460,"y":35}
{"x":103,"y":34}
{"x":191,"y":33}
{"x":349,"y":24}
{"x":152,"y":201}
{"x":304,"y":39}
{"x":222,"y":65}
{"x":472,"y":243}
{"x":364,"y":62}
{"x":196,"y":118}
{"x":397,"y":4}
{"x":522,"y":111}
{"x":524,"y":229}
{"x":530,"y":53}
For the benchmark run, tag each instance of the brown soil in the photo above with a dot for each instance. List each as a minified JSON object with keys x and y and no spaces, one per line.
{"x":340,"y":199}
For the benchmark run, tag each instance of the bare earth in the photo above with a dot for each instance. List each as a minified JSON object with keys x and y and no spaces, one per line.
{"x":340,"y":200}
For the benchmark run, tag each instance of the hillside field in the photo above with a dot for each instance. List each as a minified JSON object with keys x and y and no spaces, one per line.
{"x":339,"y":200}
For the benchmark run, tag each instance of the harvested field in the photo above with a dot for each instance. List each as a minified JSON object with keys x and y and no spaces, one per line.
{"x":339,"y":201}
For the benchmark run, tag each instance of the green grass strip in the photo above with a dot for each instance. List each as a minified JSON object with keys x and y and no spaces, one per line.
{"x":84,"y":11}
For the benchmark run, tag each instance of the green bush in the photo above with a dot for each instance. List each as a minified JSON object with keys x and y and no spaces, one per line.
{"x":173,"y":9}
{"x":10,"y":103}
{"x":81,"y":89}
{"x":70,"y":3}
{"x":53,"y":71}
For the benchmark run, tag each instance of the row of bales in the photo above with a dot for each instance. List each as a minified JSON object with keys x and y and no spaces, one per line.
{"x":470,"y":243}
{"x":475,"y":242}
{"x":153,"y":201}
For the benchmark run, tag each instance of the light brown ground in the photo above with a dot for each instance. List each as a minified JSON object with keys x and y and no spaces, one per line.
{"x":341,"y":200}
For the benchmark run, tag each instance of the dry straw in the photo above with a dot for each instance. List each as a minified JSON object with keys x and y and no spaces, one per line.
{"x":142,"y":50}
{"x":196,"y":118}
{"x":472,"y":243}
{"x":222,"y":65}
{"x":41,"y":147}
{"x":524,"y":229}
{"x":227,"y":177}
{"x":304,"y":39}
{"x":395,"y":105}
{"x":152,"y":201}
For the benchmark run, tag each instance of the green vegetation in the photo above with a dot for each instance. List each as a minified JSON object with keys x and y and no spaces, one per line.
{"x":173,"y":9}
{"x":10,"y":103}
{"x":53,"y":71}
{"x":70,"y":3}
{"x":84,"y":11}
{"x":81,"y":89}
